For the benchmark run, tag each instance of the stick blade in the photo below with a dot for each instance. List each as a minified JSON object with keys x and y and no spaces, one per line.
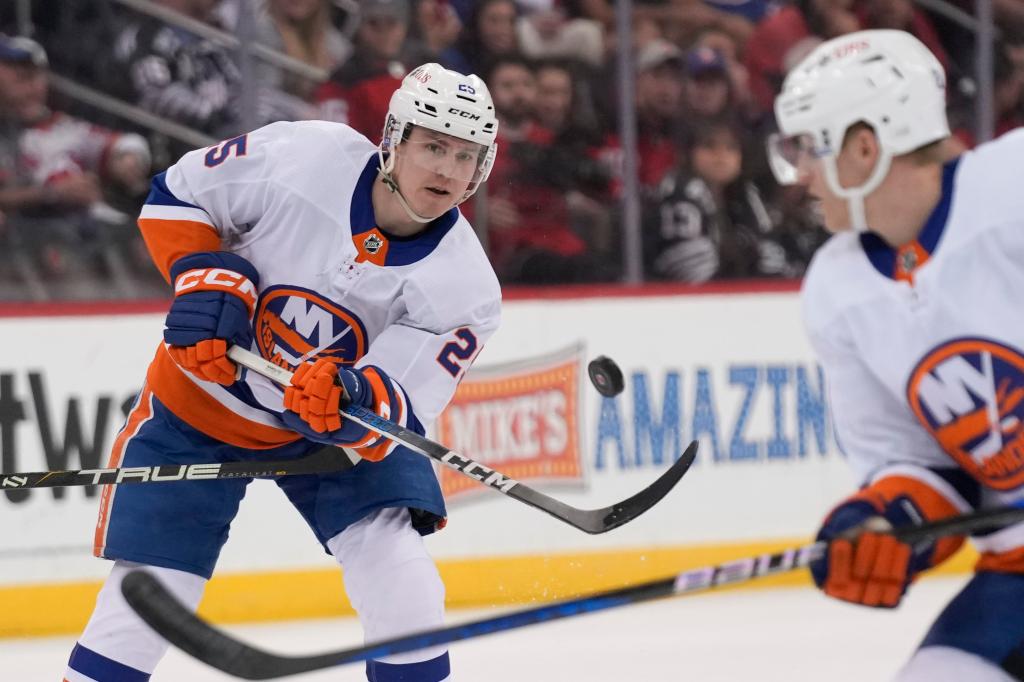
{"x":597,"y":521}
{"x":627,"y":510}
{"x":182,"y":628}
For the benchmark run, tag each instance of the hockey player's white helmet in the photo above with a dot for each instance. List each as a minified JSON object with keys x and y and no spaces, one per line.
{"x":447,"y":102}
{"x":887,"y":79}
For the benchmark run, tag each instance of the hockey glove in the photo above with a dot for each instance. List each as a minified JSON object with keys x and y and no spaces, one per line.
{"x":317,"y":393}
{"x":864,"y":564}
{"x":214,"y":300}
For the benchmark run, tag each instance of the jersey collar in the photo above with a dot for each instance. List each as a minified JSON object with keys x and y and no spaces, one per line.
{"x":377,"y":246}
{"x":900,"y":264}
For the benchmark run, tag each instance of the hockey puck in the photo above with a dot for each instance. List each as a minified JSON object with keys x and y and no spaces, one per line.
{"x":606,"y":376}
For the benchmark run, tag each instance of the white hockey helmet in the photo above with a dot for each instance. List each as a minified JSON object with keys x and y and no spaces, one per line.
{"x":444,"y":101}
{"x":885,"y":78}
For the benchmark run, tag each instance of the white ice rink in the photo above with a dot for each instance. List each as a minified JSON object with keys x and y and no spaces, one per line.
{"x":773,"y":635}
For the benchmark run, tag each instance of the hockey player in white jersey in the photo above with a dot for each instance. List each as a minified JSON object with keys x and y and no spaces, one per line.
{"x":341,"y":260}
{"x":913,"y":308}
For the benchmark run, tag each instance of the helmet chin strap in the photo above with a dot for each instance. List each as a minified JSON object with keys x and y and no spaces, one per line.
{"x":386,"y":167}
{"x":855,"y":196}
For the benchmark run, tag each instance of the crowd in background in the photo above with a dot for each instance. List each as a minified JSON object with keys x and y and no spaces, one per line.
{"x":73,"y":177}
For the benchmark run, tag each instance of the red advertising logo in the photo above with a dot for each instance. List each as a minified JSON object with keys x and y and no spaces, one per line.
{"x":522,"y":420}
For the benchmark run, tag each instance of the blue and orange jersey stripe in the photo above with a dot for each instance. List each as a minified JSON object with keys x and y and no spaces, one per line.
{"x":139,"y":415}
{"x":204,"y":412}
{"x":173,"y":228}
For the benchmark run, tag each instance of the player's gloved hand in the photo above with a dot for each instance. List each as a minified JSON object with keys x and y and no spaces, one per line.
{"x":864,"y":565}
{"x":214,"y":300}
{"x":319,"y":390}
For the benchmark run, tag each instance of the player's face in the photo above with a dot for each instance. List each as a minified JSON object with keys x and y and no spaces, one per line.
{"x":434,"y":170}
{"x":833,"y":209}
{"x":796,"y":161}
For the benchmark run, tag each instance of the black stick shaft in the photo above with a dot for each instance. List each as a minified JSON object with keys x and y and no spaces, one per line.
{"x":592,"y":521}
{"x":328,"y":460}
{"x":201,"y":640}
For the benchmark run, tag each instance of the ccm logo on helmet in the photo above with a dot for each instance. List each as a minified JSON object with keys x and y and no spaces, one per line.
{"x":464,"y":114}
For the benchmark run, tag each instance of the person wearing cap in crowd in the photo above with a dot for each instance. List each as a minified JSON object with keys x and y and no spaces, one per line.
{"x":659,"y":98}
{"x":707,"y":90}
{"x":55,"y":162}
{"x":358,"y":92}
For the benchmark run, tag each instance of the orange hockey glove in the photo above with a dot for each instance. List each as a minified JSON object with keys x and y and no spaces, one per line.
{"x":864,"y":564}
{"x":317,"y":392}
{"x":872,"y":569}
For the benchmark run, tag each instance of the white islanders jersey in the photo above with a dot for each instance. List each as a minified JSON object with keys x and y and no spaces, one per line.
{"x":923,"y":347}
{"x":294,"y":200}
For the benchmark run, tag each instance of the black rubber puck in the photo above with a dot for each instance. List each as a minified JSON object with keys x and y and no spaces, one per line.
{"x":606,"y":376}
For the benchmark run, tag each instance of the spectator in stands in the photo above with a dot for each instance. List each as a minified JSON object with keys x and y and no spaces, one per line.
{"x":707,"y":221}
{"x":707,"y":90}
{"x":1007,"y":100}
{"x":681,"y":21}
{"x":490,"y":33}
{"x":60,"y":163}
{"x":768,"y":46}
{"x":359,"y":92}
{"x":572,"y":161}
{"x":659,"y":100}
{"x":301,"y":29}
{"x":739,"y":79}
{"x":529,"y":222}
{"x":547,"y":31}
{"x":68,"y":185}
{"x":179,"y":75}
{"x":437,"y":26}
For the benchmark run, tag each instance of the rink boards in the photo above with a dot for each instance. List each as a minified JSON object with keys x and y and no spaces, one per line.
{"x":728,"y":366}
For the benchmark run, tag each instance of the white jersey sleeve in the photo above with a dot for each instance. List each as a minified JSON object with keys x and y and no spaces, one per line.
{"x":227,"y":183}
{"x":429,"y":363}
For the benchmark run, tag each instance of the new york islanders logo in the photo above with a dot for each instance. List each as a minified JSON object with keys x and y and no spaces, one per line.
{"x":294,"y":325}
{"x":969,"y":393}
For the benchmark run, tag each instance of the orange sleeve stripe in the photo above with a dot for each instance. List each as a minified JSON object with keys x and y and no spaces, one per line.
{"x":376,"y":452}
{"x":169,"y":240}
{"x":1011,"y":561}
{"x":375,"y":443}
{"x":932,"y":504}
{"x":202,"y":411}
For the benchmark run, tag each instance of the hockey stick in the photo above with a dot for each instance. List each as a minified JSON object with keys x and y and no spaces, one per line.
{"x":592,"y":521}
{"x":165,"y":614}
{"x":324,"y":461}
